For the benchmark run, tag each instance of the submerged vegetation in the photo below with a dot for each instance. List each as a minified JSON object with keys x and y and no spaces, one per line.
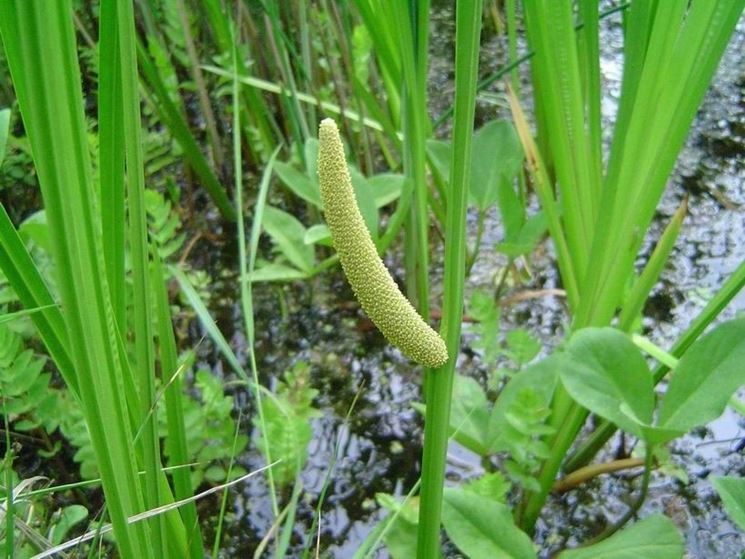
{"x":167,"y":205}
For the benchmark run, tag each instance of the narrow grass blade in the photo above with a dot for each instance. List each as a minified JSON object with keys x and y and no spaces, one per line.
{"x":39,"y":44}
{"x":175,"y":122}
{"x":682,"y":56}
{"x":559,"y":94}
{"x":178,"y":452}
{"x":9,"y":489}
{"x":26,"y":281}
{"x":13,"y":316}
{"x":224,"y":499}
{"x":111,"y":156}
{"x":672,"y":50}
{"x":412,"y":23}
{"x":644,"y":284}
{"x":208,"y":322}
{"x":254,"y":109}
{"x":589,"y":59}
{"x":246,"y":265}
{"x":137,"y":518}
{"x":143,"y":365}
{"x":303,"y":97}
{"x":537,"y":169}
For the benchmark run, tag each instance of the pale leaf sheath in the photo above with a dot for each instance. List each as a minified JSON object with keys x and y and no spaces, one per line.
{"x":373,"y":286}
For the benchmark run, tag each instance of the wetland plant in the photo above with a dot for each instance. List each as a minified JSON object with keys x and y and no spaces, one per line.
{"x":105,"y":319}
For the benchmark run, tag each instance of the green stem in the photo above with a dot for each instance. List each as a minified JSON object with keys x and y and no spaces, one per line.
{"x":439,"y":383}
{"x":141,"y":297}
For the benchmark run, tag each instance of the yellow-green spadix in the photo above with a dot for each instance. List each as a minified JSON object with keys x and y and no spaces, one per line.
{"x":372,"y":284}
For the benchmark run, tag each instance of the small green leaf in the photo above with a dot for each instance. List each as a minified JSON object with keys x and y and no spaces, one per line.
{"x":469,"y":418}
{"x":275,"y":271}
{"x":482,"y":306}
{"x":69,"y":517}
{"x":732,"y":492}
{"x":493,"y":486}
{"x":407,"y":510}
{"x":439,"y":153}
{"x":401,"y":539}
{"x":655,"y":537}
{"x":34,"y":228}
{"x":386,"y":188}
{"x":318,"y":234}
{"x":525,"y":240}
{"x":540,"y":377}
{"x":496,"y":158}
{"x":705,"y":378}
{"x":289,"y":234}
{"x":605,"y":372}
{"x":483,"y":528}
{"x":400,"y":531}
{"x":311,"y":160}
{"x":522,"y":346}
{"x":300,"y":184}
{"x":485,"y":311}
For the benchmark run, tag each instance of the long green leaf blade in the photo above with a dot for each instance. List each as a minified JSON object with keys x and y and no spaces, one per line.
{"x":39,"y":43}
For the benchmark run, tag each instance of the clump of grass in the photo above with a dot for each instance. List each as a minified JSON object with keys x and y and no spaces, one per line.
{"x":607,"y":202}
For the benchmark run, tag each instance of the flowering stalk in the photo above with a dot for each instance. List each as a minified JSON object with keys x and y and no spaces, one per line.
{"x":373,"y":286}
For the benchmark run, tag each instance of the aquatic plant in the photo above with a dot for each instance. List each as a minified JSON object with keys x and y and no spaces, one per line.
{"x":373,"y":285}
{"x":607,"y":202}
{"x":106,"y":315}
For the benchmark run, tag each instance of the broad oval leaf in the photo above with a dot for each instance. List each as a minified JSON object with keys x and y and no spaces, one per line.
{"x":275,"y":272}
{"x":655,"y":537}
{"x":496,"y":158}
{"x":386,"y":187}
{"x":705,"y":378}
{"x":289,"y":234}
{"x":482,"y":528}
{"x":439,"y":155}
{"x":469,"y":418}
{"x":69,"y":517}
{"x":606,"y":373}
{"x":318,"y":234}
{"x":732,"y":492}
{"x":299,"y":183}
{"x":526,"y":238}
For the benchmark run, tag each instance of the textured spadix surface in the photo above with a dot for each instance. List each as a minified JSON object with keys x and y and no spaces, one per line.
{"x":373,"y":286}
